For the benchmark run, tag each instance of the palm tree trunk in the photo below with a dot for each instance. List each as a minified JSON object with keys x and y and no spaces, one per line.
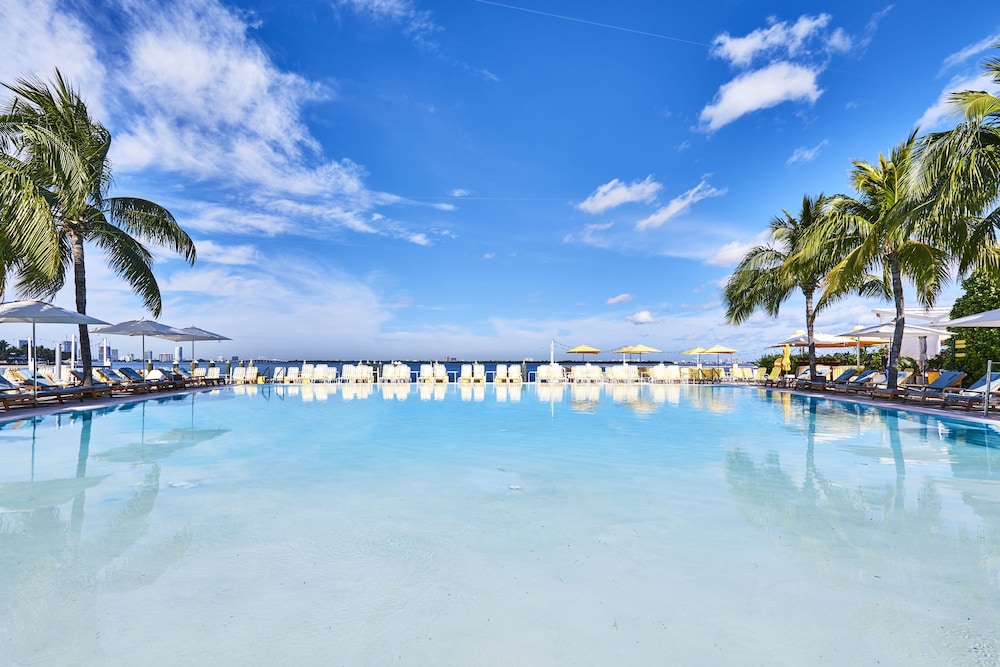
{"x":897,"y":334}
{"x":810,"y":318}
{"x":80,"y":283}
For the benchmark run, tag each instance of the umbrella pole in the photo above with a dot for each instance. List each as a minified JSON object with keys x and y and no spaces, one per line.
{"x":34,"y":365}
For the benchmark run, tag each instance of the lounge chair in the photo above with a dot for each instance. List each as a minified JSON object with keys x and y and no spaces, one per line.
{"x":214,"y":376}
{"x":500,"y":374}
{"x":947,"y":380}
{"x":809,"y":383}
{"x":841,"y":378}
{"x":881,"y":390}
{"x":863,"y":380}
{"x":658,"y":374}
{"x":792,"y":380}
{"x":306,"y":373}
{"x":478,"y":374}
{"x":278,"y":375}
{"x":773,"y":379}
{"x":465,"y":376}
{"x":975,"y":393}
{"x":440,"y":374}
{"x":132,"y":381}
{"x":364,"y":373}
{"x":514,"y":374}
{"x":426,"y":375}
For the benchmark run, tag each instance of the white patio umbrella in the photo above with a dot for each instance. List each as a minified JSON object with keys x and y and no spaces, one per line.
{"x":882,"y":333}
{"x":989,"y":318}
{"x":46,"y":313}
{"x":140,"y":327}
{"x":801,"y":339}
{"x":192,"y":334}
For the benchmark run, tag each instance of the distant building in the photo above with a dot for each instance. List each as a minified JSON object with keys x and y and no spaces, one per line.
{"x":178,"y":353}
{"x":166,"y":357}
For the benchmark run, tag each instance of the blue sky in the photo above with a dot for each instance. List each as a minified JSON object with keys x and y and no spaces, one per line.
{"x":416,"y":179}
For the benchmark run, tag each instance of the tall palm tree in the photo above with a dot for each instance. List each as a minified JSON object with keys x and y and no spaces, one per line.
{"x":889,"y":228}
{"x":769,"y":274}
{"x":960,"y":168}
{"x":55,"y":179}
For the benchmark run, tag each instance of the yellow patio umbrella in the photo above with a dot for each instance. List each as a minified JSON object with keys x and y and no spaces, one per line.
{"x":641,"y":349}
{"x":628,"y":349}
{"x":719,"y":350}
{"x":583,"y":349}
{"x":637,"y":349}
{"x":696,"y":351}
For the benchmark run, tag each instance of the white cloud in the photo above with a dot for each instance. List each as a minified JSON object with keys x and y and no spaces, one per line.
{"x":731,"y":253}
{"x":416,"y":23}
{"x":679,"y":205}
{"x":615,"y":193}
{"x":760,"y":89}
{"x":460,"y":192}
{"x":621,"y":298}
{"x":642,"y":317}
{"x":206,"y":101}
{"x":209,"y":251}
{"x":803,"y":154}
{"x":962,"y":55}
{"x":779,"y":39}
{"x":591,"y":234}
{"x":941,"y":113}
{"x":43,"y":37}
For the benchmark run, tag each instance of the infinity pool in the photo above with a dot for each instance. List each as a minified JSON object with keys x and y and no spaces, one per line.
{"x":623,"y":525}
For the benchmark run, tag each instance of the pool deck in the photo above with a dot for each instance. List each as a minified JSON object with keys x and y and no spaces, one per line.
{"x":19,"y":412}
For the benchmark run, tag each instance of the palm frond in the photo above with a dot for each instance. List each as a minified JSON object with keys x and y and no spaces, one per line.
{"x":131,"y":261}
{"x":151,"y":222}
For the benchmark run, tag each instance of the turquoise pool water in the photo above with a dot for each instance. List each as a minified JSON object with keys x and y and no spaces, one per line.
{"x":488,"y":526}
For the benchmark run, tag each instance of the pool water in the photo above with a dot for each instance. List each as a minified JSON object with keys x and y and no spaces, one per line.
{"x":337,"y":525}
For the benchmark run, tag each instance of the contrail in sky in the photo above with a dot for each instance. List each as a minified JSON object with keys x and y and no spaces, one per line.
{"x":593,"y":23}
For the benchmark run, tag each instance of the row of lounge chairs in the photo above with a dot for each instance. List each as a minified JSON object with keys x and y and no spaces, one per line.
{"x":20,"y":387}
{"x":944,"y":391}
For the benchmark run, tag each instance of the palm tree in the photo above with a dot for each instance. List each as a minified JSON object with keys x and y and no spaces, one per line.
{"x":769,"y":274}
{"x":961,"y":170}
{"x":889,"y":228}
{"x":55,"y":179}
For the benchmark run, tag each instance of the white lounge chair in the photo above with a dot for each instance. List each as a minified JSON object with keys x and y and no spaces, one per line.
{"x":500,"y":375}
{"x":440,"y":374}
{"x":514,"y":375}
{"x":426,"y":375}
{"x":478,"y":374}
{"x":319,"y":372}
{"x":306,"y":373}
{"x":465,"y":375}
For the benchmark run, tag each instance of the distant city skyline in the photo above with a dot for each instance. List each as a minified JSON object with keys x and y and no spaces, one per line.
{"x":419,"y":180}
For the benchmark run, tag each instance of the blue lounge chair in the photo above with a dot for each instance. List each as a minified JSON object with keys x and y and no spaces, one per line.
{"x":881,"y":390}
{"x":975,"y":393}
{"x":855,"y":381}
{"x":935,"y":390}
{"x":841,"y":378}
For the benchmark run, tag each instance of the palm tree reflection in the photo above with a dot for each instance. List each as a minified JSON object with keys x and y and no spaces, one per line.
{"x":55,"y":572}
{"x":851,"y":532}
